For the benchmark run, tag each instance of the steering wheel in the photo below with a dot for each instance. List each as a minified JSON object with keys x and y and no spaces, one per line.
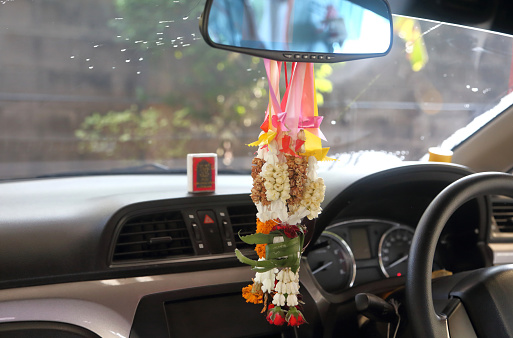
{"x":486,"y":294}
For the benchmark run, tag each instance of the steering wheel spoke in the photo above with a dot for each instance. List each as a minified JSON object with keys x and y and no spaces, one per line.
{"x":459,"y":323}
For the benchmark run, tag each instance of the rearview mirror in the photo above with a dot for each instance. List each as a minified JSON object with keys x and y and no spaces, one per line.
{"x":299,"y":30}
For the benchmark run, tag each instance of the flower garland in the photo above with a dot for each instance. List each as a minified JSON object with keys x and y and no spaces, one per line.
{"x":286,"y":190}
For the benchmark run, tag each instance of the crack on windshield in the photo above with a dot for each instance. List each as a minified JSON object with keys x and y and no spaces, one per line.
{"x":363,"y":91}
{"x":407,"y":50}
{"x":430,"y":30}
{"x":192,"y":8}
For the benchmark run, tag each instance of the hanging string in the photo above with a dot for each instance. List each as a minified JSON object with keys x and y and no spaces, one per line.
{"x":286,"y":77}
{"x":293,"y":69}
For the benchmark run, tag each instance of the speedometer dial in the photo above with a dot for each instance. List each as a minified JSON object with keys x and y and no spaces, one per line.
{"x":332,"y":262}
{"x":393,"y":251}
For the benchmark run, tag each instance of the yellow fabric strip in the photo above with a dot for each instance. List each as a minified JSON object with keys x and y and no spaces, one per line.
{"x":320,"y":154}
{"x":264,"y":138}
{"x":312,"y":141}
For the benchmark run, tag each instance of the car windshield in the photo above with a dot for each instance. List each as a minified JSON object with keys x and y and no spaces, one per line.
{"x":92,"y":86}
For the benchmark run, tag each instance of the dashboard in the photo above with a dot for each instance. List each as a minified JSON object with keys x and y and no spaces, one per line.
{"x":120,"y":256}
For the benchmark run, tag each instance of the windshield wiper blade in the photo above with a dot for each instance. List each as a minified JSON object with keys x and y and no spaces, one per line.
{"x":147,"y":168}
{"x":234,"y":171}
{"x":143,"y":169}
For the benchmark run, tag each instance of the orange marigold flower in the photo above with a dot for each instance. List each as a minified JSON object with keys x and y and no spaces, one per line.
{"x":266,"y":227}
{"x":250,"y":297}
{"x":260,"y":250}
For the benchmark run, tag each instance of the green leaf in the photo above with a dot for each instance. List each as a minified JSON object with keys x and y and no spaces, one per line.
{"x":286,"y":248}
{"x":259,"y":266}
{"x":292,"y":262}
{"x":257,"y":238}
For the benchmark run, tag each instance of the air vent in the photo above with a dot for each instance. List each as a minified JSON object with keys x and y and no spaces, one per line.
{"x":153,"y":236}
{"x":243,"y":219}
{"x":502,"y":211}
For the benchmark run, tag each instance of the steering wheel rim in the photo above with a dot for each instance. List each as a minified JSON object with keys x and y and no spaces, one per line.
{"x":419,"y":301}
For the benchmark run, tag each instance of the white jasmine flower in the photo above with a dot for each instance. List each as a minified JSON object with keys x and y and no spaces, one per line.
{"x":267,"y":285}
{"x":294,"y":288}
{"x":288,"y":284}
{"x":279,"y":210}
{"x":272,"y":154}
{"x":284,"y":196}
{"x":292,"y":300}
{"x":284,"y":287}
{"x":261,"y":153}
{"x":288,"y":289}
{"x":313,"y":215}
{"x":313,"y":197}
{"x":264,"y":213}
{"x":272,"y":195}
{"x":311,"y":172}
{"x":299,"y":214}
{"x":292,"y":275}
{"x":294,"y":219}
{"x":279,"y":299}
{"x":278,"y":287}
{"x":286,"y":277}
{"x":266,"y":279}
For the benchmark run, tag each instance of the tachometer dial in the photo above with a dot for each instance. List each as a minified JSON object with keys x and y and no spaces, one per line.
{"x":393,"y":251}
{"x":332,"y":262}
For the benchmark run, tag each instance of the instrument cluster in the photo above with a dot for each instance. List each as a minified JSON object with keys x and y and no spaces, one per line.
{"x":358,"y":251}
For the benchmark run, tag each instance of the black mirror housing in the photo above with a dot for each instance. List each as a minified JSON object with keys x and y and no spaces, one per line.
{"x":299,"y":30}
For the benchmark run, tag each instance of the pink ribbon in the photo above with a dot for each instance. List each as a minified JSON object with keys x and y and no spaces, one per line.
{"x":297,"y":108}
{"x":277,"y":115}
{"x":310,"y":122}
{"x":278,"y":120}
{"x":293,"y":107}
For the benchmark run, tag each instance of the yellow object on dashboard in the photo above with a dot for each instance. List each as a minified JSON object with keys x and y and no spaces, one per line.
{"x":439,"y":155}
